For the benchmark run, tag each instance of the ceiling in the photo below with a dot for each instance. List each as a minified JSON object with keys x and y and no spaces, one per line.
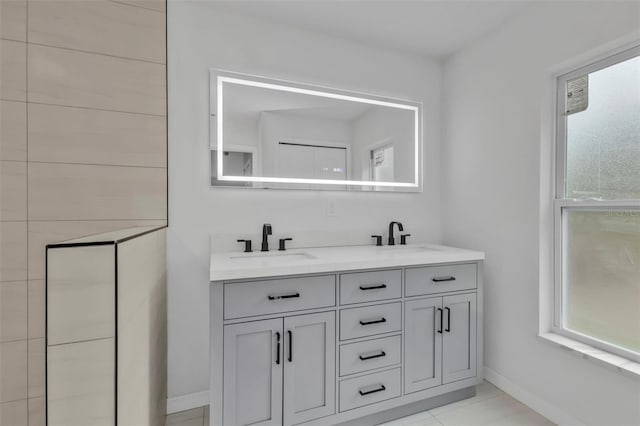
{"x":427,"y":28}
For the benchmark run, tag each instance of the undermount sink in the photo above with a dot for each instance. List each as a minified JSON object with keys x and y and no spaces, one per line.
{"x":407,"y":249}
{"x":272,"y":258}
{"x":239,"y":265}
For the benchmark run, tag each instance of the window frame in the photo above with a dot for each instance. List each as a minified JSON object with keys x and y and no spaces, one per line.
{"x":560,"y":203}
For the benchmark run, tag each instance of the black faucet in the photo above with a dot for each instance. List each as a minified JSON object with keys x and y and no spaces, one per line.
{"x":266,"y":230}
{"x":392,"y":241}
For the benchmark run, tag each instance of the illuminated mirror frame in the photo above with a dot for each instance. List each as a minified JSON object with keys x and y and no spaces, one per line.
{"x":218,"y":78}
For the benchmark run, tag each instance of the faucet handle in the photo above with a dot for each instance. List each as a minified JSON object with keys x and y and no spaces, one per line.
{"x":283,"y":242}
{"x":378,"y":239}
{"x":403,"y":239}
{"x":247,"y":245}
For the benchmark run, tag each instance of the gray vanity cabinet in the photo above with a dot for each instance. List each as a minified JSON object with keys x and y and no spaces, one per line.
{"x":259,"y":356}
{"x":338,"y":346}
{"x":459,"y":337}
{"x":423,"y":344}
{"x":253,"y":373}
{"x":440,"y":341}
{"x":309,"y":367}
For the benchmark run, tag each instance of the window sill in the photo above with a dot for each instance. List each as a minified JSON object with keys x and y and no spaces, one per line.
{"x":621,"y":365}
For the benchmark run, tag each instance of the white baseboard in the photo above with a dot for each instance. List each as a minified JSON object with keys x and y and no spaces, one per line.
{"x":551,"y":412}
{"x":187,"y":402}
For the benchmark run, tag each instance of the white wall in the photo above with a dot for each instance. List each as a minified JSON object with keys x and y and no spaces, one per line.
{"x":494,"y":92}
{"x":200,"y":37}
{"x":241,"y":129}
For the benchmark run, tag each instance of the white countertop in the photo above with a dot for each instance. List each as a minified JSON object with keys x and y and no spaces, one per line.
{"x":238,"y":265}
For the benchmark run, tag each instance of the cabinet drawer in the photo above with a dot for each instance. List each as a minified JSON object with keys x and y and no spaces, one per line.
{"x":438,"y":279}
{"x":370,"y":286}
{"x":244,"y":299}
{"x":370,"y":320}
{"x":363,"y":356}
{"x":369,"y":389}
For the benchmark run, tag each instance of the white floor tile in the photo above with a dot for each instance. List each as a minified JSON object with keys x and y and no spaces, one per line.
{"x":419,"y":419}
{"x":497,"y":410}
{"x":194,"y":417}
{"x":490,"y":406}
{"x":190,"y":422}
{"x":528,"y":417}
{"x":484,"y":391}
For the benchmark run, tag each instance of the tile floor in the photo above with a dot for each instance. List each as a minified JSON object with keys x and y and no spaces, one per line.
{"x":490,"y":406}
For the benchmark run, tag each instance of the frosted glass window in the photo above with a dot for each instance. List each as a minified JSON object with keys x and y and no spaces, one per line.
{"x":603,"y":142}
{"x":602,"y":286}
{"x":597,"y":206}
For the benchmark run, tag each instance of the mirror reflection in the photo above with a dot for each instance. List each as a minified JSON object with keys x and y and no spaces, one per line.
{"x":279,"y":136}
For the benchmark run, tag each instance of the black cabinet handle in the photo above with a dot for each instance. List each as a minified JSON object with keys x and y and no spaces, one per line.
{"x":290,"y":333}
{"x":441,"y":279}
{"x":448,"y":329}
{"x":378,"y":355}
{"x":378,"y":321}
{"x":283,"y":296}
{"x":440,"y":330}
{"x":380,"y":389}
{"x":372,"y":287}
{"x":277,"y":347}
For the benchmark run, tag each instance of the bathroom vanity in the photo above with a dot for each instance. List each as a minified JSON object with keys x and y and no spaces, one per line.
{"x":331,"y":335}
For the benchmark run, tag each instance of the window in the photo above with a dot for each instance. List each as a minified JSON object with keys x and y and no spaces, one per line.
{"x":381,"y":163}
{"x":597,"y":205}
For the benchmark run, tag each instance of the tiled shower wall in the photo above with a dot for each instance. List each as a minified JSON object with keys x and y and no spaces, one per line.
{"x":82,"y":150}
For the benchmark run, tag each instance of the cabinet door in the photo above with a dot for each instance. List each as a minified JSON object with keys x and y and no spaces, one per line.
{"x":459,"y":337}
{"x":310,"y":367}
{"x":253,"y":366}
{"x":423,"y":344}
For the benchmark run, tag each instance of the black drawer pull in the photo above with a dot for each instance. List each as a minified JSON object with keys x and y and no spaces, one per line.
{"x":441,"y":279}
{"x":373,"y":287}
{"x":378,"y":321}
{"x":380,"y":389}
{"x":283,"y":296}
{"x":378,"y":355}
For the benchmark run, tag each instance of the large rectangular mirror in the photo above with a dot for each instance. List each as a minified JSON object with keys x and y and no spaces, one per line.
{"x":269,"y":133}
